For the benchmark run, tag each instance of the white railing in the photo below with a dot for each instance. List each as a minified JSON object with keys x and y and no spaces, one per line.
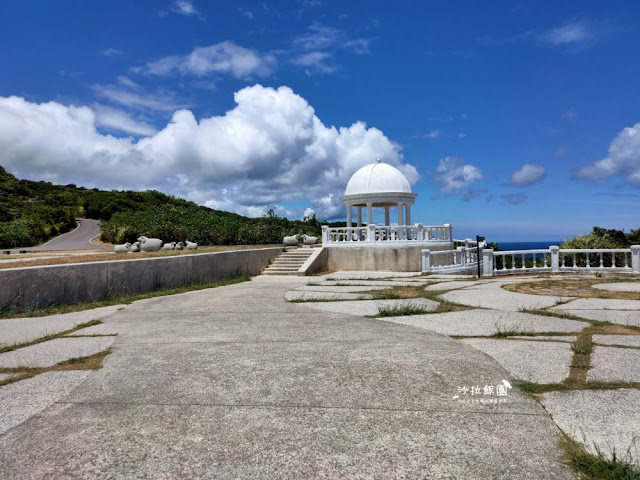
{"x":521,"y":260}
{"x":385,"y":235}
{"x":553,"y":259}
{"x":449,"y":261}
{"x":622,"y":260}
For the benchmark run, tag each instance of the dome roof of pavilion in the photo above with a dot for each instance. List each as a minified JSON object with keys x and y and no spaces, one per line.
{"x":377,"y":177}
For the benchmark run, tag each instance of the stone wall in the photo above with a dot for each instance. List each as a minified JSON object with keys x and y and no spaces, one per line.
{"x":33,"y":287}
{"x":393,"y":259}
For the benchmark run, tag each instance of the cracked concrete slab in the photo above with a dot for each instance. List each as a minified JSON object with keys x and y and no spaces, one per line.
{"x":338,"y":289}
{"x":621,"y":317}
{"x":302,"y":296}
{"x":600,"y":304}
{"x":618,"y":287}
{"x":625,"y":340}
{"x":538,"y":362}
{"x":487,"y":322}
{"x":492,"y":295}
{"x":27,"y":329}
{"x":47,"y":354}
{"x":370,"y":307}
{"x":610,"y":364}
{"x":102,"y":329}
{"x":21,"y":400}
{"x":380,"y":283}
{"x":452,"y":285}
{"x":608,"y":419}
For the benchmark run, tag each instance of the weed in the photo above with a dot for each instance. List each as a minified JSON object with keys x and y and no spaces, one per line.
{"x":598,"y":466}
{"x":400,"y":310}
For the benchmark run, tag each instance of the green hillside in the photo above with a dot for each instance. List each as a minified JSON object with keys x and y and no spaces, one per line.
{"x":32,"y":212}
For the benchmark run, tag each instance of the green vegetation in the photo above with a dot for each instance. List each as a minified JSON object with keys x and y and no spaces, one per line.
{"x":603,"y":238}
{"x":599,"y":466}
{"x":32,"y":212}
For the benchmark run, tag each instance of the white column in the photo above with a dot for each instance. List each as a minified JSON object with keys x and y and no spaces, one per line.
{"x":635,"y":258}
{"x":386,"y":216}
{"x":408,"y":207}
{"x":555,"y":264}
{"x":487,"y":262}
{"x":349,"y":216}
{"x":400,"y":219}
{"x":369,"y":213}
{"x":359,"y":213}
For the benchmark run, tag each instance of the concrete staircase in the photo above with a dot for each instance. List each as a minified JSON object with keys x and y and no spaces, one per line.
{"x":289,"y":262}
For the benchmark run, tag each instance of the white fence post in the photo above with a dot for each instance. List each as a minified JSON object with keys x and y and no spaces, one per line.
{"x":449,"y":229}
{"x":487,"y":262}
{"x":463,"y":256}
{"x":325,"y":234}
{"x":635,"y":258}
{"x":371,"y":233}
{"x":420,"y":232}
{"x":555,"y":258}
{"x":426,"y":260}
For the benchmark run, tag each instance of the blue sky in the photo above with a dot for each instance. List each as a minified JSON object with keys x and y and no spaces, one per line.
{"x":518,"y":121}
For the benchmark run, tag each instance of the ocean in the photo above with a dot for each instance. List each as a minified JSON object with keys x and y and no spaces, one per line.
{"x":526,"y":245}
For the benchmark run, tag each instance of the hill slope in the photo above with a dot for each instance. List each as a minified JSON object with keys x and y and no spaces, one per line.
{"x":31,"y":212}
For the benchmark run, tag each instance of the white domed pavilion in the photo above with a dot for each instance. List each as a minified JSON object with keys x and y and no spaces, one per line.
{"x":378,"y":185}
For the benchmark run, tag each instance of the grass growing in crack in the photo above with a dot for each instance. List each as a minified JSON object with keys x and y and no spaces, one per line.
{"x":581,"y":362}
{"x":400,"y":310}
{"x":91,"y":362}
{"x":15,"y":346}
{"x":7,"y":312}
{"x":418,"y":291}
{"x":571,"y":384}
{"x":574,"y":287}
{"x":598,"y":466}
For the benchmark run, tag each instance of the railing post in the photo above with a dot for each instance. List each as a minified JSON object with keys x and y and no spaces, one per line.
{"x":555,"y":258}
{"x":325,"y":234}
{"x":635,"y":258}
{"x":420,"y":232}
{"x":463,"y":255}
{"x":487,"y":262}
{"x":371,"y":233}
{"x":426,"y":260}
{"x":449,"y":229}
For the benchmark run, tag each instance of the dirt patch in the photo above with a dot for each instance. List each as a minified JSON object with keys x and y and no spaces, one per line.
{"x":578,"y":287}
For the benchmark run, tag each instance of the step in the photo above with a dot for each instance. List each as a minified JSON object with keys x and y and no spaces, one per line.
{"x":278,"y":273}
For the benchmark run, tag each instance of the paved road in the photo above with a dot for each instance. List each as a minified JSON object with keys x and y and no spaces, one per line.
{"x":77,"y":239}
{"x":234,"y":382}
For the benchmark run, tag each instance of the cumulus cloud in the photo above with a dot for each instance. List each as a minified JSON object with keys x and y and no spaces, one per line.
{"x":270,"y":149}
{"x":221,"y":58}
{"x":456,"y":177}
{"x":528,"y":175}
{"x":623,"y":159}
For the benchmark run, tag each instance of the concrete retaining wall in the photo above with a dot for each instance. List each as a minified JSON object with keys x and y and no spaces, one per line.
{"x":394,"y":259}
{"x":33,"y":287}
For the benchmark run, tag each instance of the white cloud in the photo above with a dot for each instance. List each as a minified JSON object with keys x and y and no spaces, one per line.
{"x":433,"y":134}
{"x":111,"y":52}
{"x":455,"y":176}
{"x":623,"y":159}
{"x":129,"y":98}
{"x":528,"y":175}
{"x":570,"y":114}
{"x":121,"y":121}
{"x":308,"y":213}
{"x":316,"y":61}
{"x":570,"y":34}
{"x":270,"y":149}
{"x":224,"y":57}
{"x":184,"y":7}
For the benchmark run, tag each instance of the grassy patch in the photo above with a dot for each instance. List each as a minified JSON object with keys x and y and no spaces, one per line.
{"x":10,"y":312}
{"x":92,"y":362}
{"x":15,"y":346}
{"x":400,"y":310}
{"x":598,"y":466}
{"x":418,"y":291}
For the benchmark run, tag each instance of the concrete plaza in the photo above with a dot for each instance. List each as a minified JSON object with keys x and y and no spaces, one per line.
{"x":239,"y":382}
